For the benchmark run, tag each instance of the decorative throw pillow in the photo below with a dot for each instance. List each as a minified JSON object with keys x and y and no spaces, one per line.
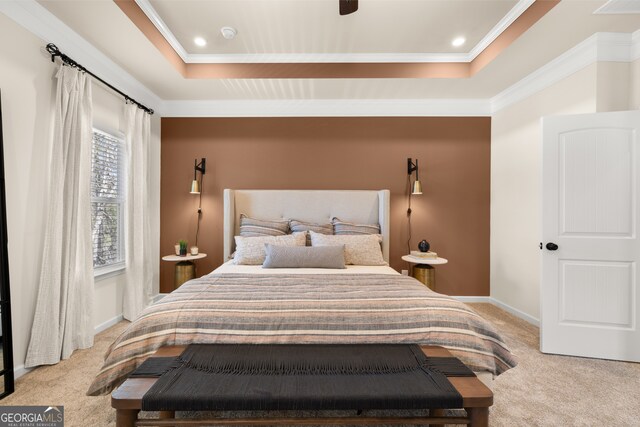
{"x":343,"y":227}
{"x":358,"y":249}
{"x":251,"y":227}
{"x":251,"y":251}
{"x":296,"y":225}
{"x":304,"y":256}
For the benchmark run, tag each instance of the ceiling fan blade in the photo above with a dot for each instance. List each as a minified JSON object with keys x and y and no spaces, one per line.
{"x":348,"y":6}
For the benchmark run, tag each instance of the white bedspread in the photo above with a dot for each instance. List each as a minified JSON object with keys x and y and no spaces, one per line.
{"x":230,"y":267}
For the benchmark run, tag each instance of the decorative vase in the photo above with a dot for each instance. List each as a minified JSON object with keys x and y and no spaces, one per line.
{"x":183,"y":248}
{"x":424,"y":246}
{"x":177,"y":247}
{"x":194,"y":250}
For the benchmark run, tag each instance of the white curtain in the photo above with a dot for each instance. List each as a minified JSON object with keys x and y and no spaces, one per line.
{"x":63,"y":320}
{"x":137,"y":293}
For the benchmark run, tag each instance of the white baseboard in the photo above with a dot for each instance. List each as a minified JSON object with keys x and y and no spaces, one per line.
{"x":490,"y":300}
{"x":19,"y":371}
{"x":109,"y":323}
{"x":518,"y":313}
{"x":473,"y":299}
{"x":114,"y":321}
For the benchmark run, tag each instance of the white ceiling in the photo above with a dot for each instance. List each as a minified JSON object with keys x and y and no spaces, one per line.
{"x":105,"y":26}
{"x":314,"y":26}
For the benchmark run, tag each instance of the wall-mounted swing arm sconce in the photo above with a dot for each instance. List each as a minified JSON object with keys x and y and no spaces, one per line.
{"x":196,"y":188}
{"x":411,"y":167}
{"x":195,"y":184}
{"x":414,"y":189}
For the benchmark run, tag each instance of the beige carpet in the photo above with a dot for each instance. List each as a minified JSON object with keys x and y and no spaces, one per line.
{"x":543,"y":390}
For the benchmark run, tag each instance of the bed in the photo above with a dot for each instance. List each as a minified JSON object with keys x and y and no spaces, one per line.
{"x":243,"y":304}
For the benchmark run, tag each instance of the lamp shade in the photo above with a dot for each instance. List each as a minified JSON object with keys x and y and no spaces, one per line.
{"x":195,"y":187}
{"x":417,"y":187}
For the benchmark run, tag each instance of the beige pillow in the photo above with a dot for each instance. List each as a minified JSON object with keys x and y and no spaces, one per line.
{"x":251,"y":227}
{"x":344,"y":227}
{"x":251,"y":250}
{"x":361,"y":249}
{"x":297,"y":225}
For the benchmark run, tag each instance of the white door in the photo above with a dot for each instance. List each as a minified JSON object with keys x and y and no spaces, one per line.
{"x":590,"y":290}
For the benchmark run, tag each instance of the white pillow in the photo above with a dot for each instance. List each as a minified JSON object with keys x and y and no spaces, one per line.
{"x":251,"y":251}
{"x":361,"y":249}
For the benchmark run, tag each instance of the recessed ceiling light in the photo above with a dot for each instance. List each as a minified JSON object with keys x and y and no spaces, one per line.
{"x":228,"y":32}
{"x":458,"y":41}
{"x":200,"y":41}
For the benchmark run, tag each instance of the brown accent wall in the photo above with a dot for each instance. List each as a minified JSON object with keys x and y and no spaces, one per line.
{"x":338,"y":153}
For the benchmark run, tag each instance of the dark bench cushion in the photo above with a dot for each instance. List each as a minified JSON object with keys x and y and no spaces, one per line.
{"x":212,"y":377}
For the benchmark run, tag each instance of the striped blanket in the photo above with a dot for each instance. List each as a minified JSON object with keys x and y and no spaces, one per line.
{"x":301,"y":309}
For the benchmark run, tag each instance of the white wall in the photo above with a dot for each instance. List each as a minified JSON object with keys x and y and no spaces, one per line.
{"x":28,"y":90}
{"x":516,"y":186}
{"x":634,"y":86}
{"x":516,"y":137}
{"x":612,"y":86}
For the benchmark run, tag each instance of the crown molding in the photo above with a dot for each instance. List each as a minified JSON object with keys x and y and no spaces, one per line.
{"x":265,"y":58}
{"x":36,"y":19}
{"x":563,"y":66}
{"x":600,"y":47}
{"x":618,"y":7}
{"x":329,"y":108}
{"x":312,"y":58}
{"x":635,"y":49}
{"x":155,"y":19}
{"x":614,"y":47}
{"x":502,"y":25}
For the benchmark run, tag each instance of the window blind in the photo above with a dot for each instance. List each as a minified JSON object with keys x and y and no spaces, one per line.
{"x":107,"y":182}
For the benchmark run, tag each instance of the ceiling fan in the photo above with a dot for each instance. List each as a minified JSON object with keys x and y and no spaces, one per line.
{"x":348,"y":6}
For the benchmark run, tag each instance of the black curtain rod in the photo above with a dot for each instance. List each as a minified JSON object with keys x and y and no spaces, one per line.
{"x":54,"y":51}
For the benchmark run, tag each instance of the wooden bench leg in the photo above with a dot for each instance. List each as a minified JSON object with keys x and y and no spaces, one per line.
{"x":478,"y":417}
{"x":126,"y":417}
{"x":163,"y":415}
{"x":436,"y":413}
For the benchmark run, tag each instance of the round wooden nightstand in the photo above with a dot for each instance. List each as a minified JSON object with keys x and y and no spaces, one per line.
{"x":185,"y":268}
{"x":423,"y":269}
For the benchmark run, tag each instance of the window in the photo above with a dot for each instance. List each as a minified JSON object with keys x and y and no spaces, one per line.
{"x":107,"y":202}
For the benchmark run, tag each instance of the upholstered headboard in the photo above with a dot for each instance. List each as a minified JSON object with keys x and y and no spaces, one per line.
{"x":360,"y":206}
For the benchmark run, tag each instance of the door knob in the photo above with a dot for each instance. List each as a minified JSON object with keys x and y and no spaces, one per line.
{"x":551,"y":246}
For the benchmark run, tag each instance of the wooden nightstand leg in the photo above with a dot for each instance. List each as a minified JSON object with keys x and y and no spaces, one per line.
{"x":126,"y":417}
{"x":478,"y":417}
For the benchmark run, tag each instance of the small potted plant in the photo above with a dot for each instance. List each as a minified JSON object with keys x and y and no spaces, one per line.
{"x":183,"y":247}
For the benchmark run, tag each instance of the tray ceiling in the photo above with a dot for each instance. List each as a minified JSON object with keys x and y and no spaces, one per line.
{"x":103,"y":24}
{"x":315,"y":27}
